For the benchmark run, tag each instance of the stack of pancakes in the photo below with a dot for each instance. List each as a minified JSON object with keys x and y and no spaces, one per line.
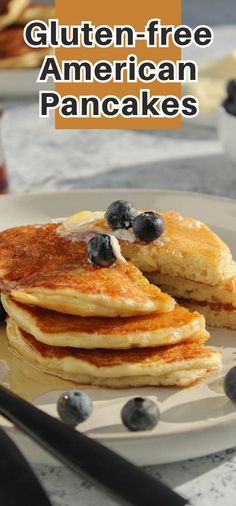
{"x":189,"y":262}
{"x":104,"y":326}
{"x":14,"y":15}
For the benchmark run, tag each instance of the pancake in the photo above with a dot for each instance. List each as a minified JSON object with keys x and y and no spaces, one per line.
{"x":41,"y":268}
{"x":14,"y":52}
{"x":216,"y":315}
{"x":42,"y":12}
{"x":187,"y":248}
{"x":183,"y":288}
{"x":57,"y":329}
{"x":217,"y":304}
{"x":10,"y":10}
{"x":179,"y":365}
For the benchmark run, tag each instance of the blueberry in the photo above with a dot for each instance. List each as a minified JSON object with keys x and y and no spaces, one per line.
{"x":100,"y":250}
{"x":2,"y":314}
{"x":148,"y":226}
{"x":231,"y":89}
{"x":140,"y":414}
{"x":74,"y":407}
{"x":230,"y":384}
{"x":120,"y":214}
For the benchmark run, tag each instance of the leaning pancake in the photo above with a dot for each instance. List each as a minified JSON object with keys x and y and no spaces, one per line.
{"x":217,"y":304}
{"x":141,"y":331}
{"x":178,"y":365}
{"x":216,"y":315}
{"x":187,"y":248}
{"x":14,"y":52}
{"x":41,"y":268}
{"x":225,"y":293}
{"x":10,"y":10}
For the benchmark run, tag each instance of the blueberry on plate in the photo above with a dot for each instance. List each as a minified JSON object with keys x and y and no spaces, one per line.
{"x":148,"y":226}
{"x":120,"y":214}
{"x":74,"y":407}
{"x":140,"y":413}
{"x":230,"y":384}
{"x":100,"y":251}
{"x":2,"y":314}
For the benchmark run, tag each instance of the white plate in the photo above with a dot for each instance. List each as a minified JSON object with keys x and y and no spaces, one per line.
{"x":194,"y":421}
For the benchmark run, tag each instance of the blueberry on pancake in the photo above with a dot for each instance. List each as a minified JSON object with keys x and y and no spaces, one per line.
{"x":41,"y":267}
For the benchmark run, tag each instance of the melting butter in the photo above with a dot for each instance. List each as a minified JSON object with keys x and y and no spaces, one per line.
{"x":83,"y":219}
{"x":116,"y":249}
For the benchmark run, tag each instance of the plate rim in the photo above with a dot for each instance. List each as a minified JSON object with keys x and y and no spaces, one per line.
{"x":53,"y":193}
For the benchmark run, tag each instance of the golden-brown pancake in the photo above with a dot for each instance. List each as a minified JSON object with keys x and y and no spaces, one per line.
{"x":216,"y":303}
{"x":216,"y":315}
{"x":42,"y":12}
{"x":14,"y":52}
{"x":10,"y":10}
{"x":41,"y":268}
{"x":178,"y":365}
{"x":187,"y":248}
{"x":225,"y":293}
{"x":57,"y":329}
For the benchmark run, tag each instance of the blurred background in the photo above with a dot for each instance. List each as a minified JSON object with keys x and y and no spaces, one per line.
{"x":200,"y":157}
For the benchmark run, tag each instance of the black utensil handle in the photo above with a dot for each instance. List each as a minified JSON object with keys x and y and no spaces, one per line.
{"x":128,"y":483}
{"x":18,"y":483}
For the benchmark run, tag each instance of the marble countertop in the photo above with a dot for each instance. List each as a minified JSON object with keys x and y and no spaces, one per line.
{"x":189,"y":159}
{"x":205,"y":481}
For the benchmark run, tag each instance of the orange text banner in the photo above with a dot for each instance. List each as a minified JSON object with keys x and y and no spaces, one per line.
{"x":123,"y":12}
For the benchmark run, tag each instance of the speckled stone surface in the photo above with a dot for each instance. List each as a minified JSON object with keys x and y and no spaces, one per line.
{"x":205,"y":481}
{"x":189,"y":159}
